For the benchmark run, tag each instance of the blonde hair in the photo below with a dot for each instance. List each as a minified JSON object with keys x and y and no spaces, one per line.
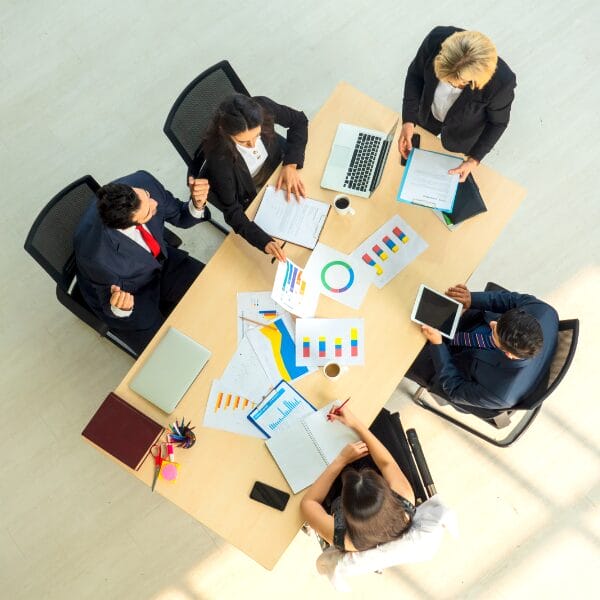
{"x":466,"y":57}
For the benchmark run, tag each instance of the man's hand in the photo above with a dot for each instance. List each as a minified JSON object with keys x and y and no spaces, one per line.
{"x":199,"y":191}
{"x":461,"y":294}
{"x":352,"y":452}
{"x":290,"y":180}
{"x":276,"y":250}
{"x":405,"y":139}
{"x":120,"y":299}
{"x":464,"y":169}
{"x":432,"y":335}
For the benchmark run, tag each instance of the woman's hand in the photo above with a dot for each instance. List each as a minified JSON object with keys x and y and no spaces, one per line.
{"x":405,"y":139}
{"x":464,"y":169}
{"x":275,"y":250}
{"x":344,"y":415}
{"x":352,"y":452}
{"x":290,"y":180}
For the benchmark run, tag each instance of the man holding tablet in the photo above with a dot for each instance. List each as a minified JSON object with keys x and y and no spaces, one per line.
{"x":500,"y":350}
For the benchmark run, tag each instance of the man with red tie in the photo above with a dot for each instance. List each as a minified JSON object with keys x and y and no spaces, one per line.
{"x":127,"y":273}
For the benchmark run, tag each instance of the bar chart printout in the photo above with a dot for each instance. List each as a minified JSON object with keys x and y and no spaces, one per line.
{"x":292,"y":292}
{"x":282,"y":407}
{"x":229,"y":411}
{"x":390,"y":249}
{"x":319,"y":341}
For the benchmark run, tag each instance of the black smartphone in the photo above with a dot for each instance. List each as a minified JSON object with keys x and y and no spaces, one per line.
{"x":261,"y":492}
{"x":416,"y":143}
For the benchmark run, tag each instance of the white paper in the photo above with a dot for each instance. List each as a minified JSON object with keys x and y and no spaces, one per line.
{"x":339,"y":276}
{"x":390,"y":249}
{"x":292,"y":292}
{"x":304,"y":450}
{"x":229,"y":411}
{"x":319,"y":341}
{"x":283,"y":407}
{"x":256,"y":306}
{"x":426,"y":180}
{"x":275,"y":348}
{"x":245,"y":375}
{"x":296,"y":222}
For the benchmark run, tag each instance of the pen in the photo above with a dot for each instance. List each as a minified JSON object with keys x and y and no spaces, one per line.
{"x":257,"y":322}
{"x":336,"y":410}
{"x":275,"y":258}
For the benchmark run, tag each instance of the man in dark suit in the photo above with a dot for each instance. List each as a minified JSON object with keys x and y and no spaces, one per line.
{"x":127,"y":273}
{"x":503,"y":347}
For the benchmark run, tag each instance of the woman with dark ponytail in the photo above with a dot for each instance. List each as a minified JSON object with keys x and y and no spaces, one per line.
{"x":242,"y":150}
{"x":373,"y":507}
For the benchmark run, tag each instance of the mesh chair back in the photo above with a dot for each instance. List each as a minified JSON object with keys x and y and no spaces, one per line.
{"x":50,"y":239}
{"x":196,"y":105}
{"x":568,"y":333}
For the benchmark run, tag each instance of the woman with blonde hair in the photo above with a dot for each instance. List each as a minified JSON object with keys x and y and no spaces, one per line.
{"x":458,"y":87}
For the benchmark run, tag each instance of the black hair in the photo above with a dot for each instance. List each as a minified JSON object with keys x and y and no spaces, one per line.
{"x":520,"y":333}
{"x":116,"y":204}
{"x":235,"y":114}
{"x":374,"y":515}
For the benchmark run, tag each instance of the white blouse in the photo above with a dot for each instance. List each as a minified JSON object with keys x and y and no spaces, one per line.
{"x":444,"y":97}
{"x":254,"y":157}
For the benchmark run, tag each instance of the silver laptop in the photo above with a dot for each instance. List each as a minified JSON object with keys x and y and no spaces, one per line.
{"x":357,"y":159}
{"x":170,"y":370}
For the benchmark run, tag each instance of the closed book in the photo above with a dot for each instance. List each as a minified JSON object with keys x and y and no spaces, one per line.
{"x":468,"y":202}
{"x":123,"y":431}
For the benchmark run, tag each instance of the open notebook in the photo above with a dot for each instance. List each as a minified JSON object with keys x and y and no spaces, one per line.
{"x":303,"y":451}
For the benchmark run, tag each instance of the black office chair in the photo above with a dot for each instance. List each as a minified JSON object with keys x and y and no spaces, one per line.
{"x":193,"y":110}
{"x":530,"y":406}
{"x":50,"y":243}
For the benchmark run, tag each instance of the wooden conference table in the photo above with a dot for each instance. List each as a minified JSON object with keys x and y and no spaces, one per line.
{"x":217,"y":474}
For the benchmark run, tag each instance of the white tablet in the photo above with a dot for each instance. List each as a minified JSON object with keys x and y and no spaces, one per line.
{"x":436,"y":310}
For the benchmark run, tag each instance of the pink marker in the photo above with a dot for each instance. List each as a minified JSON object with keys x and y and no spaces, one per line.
{"x":170,"y":453}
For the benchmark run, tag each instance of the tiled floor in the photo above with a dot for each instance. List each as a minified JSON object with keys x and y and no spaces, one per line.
{"x":85,"y":88}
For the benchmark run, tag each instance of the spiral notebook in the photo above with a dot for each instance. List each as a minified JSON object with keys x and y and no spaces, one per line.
{"x":303,"y":451}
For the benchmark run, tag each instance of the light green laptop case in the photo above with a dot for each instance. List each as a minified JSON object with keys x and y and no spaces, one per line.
{"x":170,"y":370}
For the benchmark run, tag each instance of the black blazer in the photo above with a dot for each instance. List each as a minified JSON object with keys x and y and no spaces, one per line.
{"x":106,"y":257}
{"x":477,"y":119}
{"x":472,"y":377}
{"x":230,"y":181}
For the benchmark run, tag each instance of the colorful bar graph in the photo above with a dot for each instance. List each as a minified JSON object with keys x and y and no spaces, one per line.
{"x":268,"y":314}
{"x":400,"y":235}
{"x":353,"y":341}
{"x":306,"y":347}
{"x":372,"y":263}
{"x":379,"y":251}
{"x":338,"y":347}
{"x":322,"y":347}
{"x":390,"y":244}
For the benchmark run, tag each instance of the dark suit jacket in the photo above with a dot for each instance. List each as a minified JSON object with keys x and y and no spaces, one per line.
{"x":107,"y":257}
{"x":488,"y":378}
{"x":477,"y":119}
{"x":231,"y":183}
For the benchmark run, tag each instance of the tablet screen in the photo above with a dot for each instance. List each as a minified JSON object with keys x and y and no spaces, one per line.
{"x":436,"y":311}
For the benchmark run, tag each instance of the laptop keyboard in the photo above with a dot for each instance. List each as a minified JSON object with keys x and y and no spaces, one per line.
{"x":362,"y":162}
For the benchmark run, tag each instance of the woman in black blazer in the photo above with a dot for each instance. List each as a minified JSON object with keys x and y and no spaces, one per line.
{"x":242,"y":137}
{"x":458,"y":87}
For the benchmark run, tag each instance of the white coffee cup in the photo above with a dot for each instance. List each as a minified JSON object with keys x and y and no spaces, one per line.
{"x":333,"y":370}
{"x":341,"y":203}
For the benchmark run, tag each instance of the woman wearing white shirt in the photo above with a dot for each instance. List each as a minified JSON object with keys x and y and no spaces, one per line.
{"x":458,"y":87}
{"x":242,"y":150}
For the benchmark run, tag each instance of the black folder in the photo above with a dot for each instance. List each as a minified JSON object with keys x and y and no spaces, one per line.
{"x":468,"y":202}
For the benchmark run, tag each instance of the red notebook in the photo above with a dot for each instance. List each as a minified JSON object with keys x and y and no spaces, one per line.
{"x":122,"y":431}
